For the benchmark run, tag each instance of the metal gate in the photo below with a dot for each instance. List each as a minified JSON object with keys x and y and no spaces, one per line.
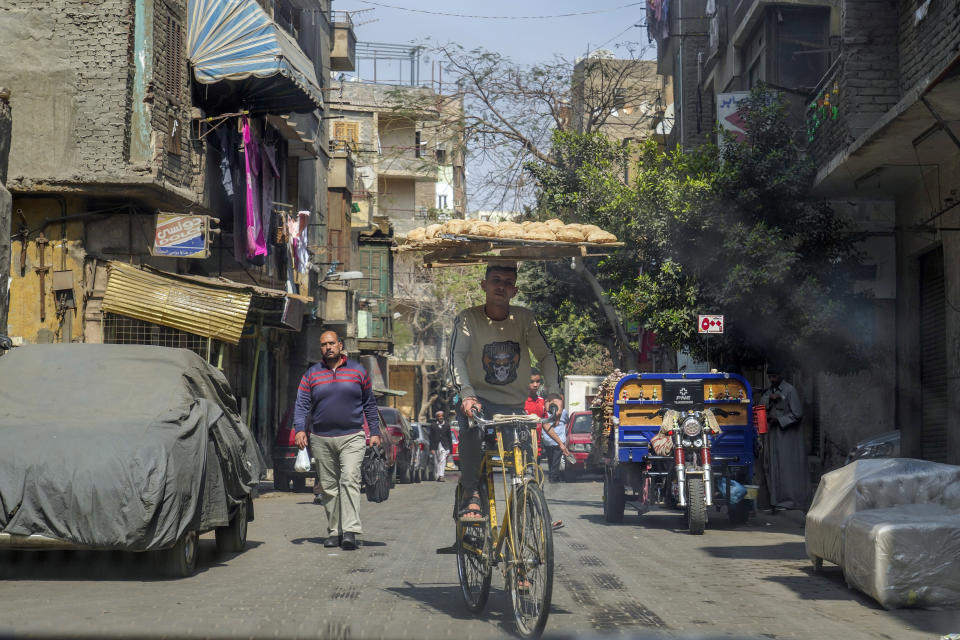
{"x":933,"y":358}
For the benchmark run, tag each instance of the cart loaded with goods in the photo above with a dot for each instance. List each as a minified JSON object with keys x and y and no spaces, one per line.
{"x":678,"y":440}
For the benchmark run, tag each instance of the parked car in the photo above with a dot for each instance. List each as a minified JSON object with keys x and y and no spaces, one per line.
{"x":423,"y":467}
{"x":579,"y":426}
{"x":124,"y":447}
{"x":395,"y":424}
{"x":455,"y":454}
{"x":284,"y":454}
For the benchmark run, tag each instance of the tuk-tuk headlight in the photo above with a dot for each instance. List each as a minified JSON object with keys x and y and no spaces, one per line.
{"x":691,"y":426}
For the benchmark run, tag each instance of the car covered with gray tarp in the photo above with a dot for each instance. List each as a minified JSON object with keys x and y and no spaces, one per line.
{"x":128,"y":447}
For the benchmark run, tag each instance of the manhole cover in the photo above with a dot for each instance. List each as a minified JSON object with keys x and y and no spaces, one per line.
{"x":608,"y":581}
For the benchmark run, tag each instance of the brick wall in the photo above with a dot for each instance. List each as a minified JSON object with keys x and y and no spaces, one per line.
{"x":863,"y":84}
{"x":885,"y":53}
{"x":928,"y":45}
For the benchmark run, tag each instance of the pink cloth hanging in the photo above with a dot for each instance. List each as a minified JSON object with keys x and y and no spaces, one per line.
{"x":256,"y":241}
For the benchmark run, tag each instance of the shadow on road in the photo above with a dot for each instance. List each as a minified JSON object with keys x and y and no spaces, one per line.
{"x":829,"y":584}
{"x":318,"y":540}
{"x":102,"y":565}
{"x":446,"y":599}
{"x":780,"y":551}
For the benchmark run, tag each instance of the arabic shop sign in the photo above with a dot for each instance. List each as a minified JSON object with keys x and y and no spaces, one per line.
{"x":181,"y":236}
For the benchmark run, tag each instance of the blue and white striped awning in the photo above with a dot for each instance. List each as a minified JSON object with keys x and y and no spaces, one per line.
{"x":235,"y":41}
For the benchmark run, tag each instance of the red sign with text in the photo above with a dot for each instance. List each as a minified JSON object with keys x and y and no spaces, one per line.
{"x":710,"y":324}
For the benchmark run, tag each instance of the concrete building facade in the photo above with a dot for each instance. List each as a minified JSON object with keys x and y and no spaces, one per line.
{"x":123,"y":117}
{"x":872,"y":84}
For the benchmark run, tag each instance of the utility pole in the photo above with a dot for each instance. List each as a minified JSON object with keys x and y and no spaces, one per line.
{"x":6,"y":207}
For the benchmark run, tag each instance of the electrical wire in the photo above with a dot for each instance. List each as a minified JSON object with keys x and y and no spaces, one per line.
{"x":478,"y":17}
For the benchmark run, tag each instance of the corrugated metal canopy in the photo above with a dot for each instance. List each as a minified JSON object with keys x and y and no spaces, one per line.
{"x":213,"y":312}
{"x":236,"y":41}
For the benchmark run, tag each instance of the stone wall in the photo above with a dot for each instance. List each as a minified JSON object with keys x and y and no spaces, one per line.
{"x":70,"y":65}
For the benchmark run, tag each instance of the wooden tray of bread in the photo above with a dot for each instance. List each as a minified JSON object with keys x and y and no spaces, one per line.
{"x":460,"y":242}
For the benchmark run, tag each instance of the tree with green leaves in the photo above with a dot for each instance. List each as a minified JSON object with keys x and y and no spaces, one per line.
{"x":731,"y":230}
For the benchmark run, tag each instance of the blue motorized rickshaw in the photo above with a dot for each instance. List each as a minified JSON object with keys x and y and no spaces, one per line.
{"x":679,"y":440}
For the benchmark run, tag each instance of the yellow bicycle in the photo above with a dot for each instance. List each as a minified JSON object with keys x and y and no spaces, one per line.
{"x":522,"y":546}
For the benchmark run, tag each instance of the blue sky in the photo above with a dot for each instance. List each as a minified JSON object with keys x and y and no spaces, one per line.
{"x":525,"y":41}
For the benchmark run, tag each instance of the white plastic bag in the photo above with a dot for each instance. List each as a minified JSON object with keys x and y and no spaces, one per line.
{"x":302,"y":463}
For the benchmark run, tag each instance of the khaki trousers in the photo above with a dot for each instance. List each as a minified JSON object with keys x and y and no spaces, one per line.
{"x":338,"y":465}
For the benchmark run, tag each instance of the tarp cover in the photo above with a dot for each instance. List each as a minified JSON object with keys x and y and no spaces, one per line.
{"x":874,"y":484}
{"x":905,"y":556}
{"x":115,"y":446}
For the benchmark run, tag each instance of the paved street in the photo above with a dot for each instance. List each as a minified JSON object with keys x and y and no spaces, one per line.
{"x":651,"y":580}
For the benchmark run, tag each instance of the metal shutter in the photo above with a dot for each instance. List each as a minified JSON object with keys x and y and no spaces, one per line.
{"x":933,"y":358}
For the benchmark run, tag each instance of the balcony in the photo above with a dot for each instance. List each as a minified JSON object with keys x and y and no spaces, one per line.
{"x":343,"y":51}
{"x":397,"y":164}
{"x":341,"y":174}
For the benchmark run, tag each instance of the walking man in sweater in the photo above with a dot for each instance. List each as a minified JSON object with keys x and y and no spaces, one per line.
{"x":334,"y":397}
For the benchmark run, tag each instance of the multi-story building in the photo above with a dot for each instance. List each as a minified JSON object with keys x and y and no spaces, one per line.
{"x":407,"y":145}
{"x":169,"y":170}
{"x":872,"y":83}
{"x":624,"y":99}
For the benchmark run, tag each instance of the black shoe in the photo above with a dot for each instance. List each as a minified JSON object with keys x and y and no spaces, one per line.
{"x":349,"y":541}
{"x":332,"y":541}
{"x":317,"y":499}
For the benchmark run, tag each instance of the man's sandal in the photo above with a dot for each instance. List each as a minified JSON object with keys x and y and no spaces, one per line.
{"x":475,"y":516}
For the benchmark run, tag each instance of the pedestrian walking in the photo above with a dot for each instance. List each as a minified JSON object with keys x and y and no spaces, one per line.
{"x":555,"y":449}
{"x":490,"y":364}
{"x":441,"y":444}
{"x":785,"y":454}
{"x":334,"y":397}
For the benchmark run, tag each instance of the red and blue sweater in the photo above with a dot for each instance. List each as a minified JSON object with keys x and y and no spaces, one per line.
{"x":335,"y":401}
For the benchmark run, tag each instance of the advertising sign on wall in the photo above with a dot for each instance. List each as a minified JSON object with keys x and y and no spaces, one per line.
{"x":728,"y":113}
{"x":181,"y":236}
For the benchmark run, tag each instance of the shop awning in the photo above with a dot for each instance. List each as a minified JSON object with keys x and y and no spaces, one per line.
{"x":211,"y":307}
{"x":212,"y":312}
{"x":238,"y":50}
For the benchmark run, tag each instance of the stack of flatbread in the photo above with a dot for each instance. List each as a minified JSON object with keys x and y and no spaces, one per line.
{"x":550,"y":231}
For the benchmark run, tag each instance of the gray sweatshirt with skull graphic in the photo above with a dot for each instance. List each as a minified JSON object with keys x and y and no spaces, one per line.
{"x":490,"y":359}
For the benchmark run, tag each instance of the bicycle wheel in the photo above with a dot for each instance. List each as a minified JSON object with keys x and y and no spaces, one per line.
{"x":474,"y":554}
{"x":530,"y":572}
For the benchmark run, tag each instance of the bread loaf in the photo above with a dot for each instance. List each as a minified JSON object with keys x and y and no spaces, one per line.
{"x":601,"y":236}
{"x":509,"y":230}
{"x":455,"y":227}
{"x":566,"y":234}
{"x":417,"y":235}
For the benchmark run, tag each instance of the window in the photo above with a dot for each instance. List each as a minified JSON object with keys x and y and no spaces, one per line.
{"x":619,"y":98}
{"x":118,"y":329}
{"x":416,"y":144}
{"x":441,"y":156}
{"x":803,"y":45}
{"x":346,"y":135}
{"x":173,"y":66}
{"x":441,"y":202}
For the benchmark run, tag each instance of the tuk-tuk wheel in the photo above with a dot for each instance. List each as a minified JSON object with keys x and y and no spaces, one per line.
{"x":817,"y":564}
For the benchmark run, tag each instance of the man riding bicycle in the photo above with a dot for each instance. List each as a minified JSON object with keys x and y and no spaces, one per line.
{"x":490,"y":365}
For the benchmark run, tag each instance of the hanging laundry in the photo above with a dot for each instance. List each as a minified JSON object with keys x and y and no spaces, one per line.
{"x":256,"y":242}
{"x":299,"y":242}
{"x":226,"y":171}
{"x":268,"y":176}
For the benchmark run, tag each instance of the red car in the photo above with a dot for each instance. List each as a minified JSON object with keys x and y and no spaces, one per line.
{"x":455,"y":454}
{"x":579,"y":442}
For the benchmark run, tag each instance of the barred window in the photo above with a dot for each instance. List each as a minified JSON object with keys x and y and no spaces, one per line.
{"x":118,"y":329}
